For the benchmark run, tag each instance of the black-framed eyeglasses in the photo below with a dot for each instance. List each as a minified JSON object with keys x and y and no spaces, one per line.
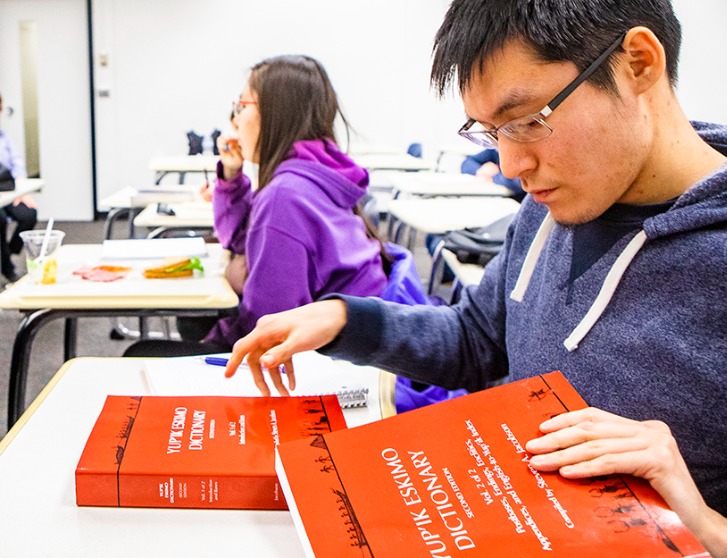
{"x":533,"y":127}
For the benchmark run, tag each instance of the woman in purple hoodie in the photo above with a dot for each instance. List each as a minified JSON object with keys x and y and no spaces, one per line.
{"x":293,"y":230}
{"x":295,"y":235}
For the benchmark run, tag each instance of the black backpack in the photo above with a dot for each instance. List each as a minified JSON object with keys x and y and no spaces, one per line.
{"x":7,"y":182}
{"x":478,"y":245}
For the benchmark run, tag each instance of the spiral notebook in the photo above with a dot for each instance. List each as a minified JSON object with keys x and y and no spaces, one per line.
{"x":315,"y":375}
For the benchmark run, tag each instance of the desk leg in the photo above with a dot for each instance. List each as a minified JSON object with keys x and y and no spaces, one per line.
{"x":20,"y":360}
{"x":412,"y":239}
{"x":70,"y":336}
{"x":114,"y":214}
{"x":133,"y":212}
{"x":117,"y":213}
{"x":437,"y":272}
{"x":32,"y":322}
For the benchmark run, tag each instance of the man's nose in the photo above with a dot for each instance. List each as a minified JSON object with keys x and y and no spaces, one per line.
{"x":516,"y":158}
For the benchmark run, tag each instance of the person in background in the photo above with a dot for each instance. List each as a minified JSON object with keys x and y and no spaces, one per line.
{"x":613,"y":270}
{"x":23,"y":210}
{"x":486,"y":165}
{"x":293,"y":228}
{"x":208,"y":188}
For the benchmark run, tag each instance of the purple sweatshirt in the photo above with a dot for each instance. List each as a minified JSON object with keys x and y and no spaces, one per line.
{"x":299,"y":233}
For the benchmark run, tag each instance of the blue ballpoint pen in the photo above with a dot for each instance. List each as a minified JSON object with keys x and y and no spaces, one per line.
{"x":219,"y":361}
{"x":215,"y":361}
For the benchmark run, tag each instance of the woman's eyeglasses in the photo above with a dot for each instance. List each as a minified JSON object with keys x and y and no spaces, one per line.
{"x":239,"y":105}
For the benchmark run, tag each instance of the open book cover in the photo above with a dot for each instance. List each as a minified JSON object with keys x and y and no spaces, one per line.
{"x":195,"y":451}
{"x":453,"y":479}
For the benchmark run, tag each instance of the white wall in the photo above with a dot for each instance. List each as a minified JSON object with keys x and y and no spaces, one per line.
{"x":702,"y":87}
{"x":176,"y":65}
{"x":63,"y":85}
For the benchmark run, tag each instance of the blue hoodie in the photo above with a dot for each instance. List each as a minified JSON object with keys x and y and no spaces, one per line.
{"x":299,"y":234}
{"x":642,"y":333}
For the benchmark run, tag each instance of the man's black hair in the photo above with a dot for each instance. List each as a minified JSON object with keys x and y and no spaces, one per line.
{"x":558,"y":31}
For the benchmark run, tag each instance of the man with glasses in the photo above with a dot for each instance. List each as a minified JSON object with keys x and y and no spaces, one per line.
{"x":614,"y":271}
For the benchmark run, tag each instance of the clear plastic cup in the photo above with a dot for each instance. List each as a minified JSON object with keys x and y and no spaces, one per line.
{"x":42,"y":270}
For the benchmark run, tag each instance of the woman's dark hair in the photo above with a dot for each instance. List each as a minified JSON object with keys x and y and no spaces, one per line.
{"x":558,"y":31}
{"x":296,"y":102}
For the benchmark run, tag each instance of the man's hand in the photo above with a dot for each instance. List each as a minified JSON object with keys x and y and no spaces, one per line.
{"x":592,"y":442}
{"x":277,"y":337}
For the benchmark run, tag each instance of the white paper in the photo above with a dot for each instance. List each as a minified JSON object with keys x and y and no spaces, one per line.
{"x":315,"y":374}
{"x":153,"y":248}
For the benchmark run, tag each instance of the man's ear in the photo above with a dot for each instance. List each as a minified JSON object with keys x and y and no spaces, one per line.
{"x":645,"y":61}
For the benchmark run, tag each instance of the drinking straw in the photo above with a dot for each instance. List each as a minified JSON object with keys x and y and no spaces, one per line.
{"x":46,"y":238}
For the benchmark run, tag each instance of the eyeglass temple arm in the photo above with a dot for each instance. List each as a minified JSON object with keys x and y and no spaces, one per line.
{"x":552,"y":105}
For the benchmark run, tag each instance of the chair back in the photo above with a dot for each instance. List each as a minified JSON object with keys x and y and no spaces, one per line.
{"x":195,"y":143}
{"x":415,"y":150}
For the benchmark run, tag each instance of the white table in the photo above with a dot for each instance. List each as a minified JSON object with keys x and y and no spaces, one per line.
{"x":465,"y":273}
{"x":38,"y":457}
{"x":71,"y":298}
{"x":182,"y":164}
{"x":440,"y":215}
{"x":444,"y":184}
{"x":392,"y":161}
{"x":23,"y":187}
{"x":187,"y":215}
{"x":130,"y":201}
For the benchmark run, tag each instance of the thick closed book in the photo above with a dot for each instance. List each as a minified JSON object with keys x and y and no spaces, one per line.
{"x":195,"y":451}
{"x":454,"y":479}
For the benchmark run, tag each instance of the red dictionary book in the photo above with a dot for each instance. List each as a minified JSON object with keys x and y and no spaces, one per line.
{"x":453,"y":479}
{"x":195,"y":452}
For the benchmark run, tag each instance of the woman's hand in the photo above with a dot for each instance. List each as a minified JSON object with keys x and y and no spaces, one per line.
{"x":236,"y":272}
{"x":206,"y":191}
{"x":592,"y":442}
{"x":230,"y":155}
{"x":277,"y":337}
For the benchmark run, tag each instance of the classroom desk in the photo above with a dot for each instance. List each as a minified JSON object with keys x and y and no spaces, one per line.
{"x":71,"y":298}
{"x":392,"y":161}
{"x":187,"y":215}
{"x":439,"y":215}
{"x":38,"y":458}
{"x":464,"y":274}
{"x":130,"y":201}
{"x":23,"y":186}
{"x":182,"y":164}
{"x":446,"y":184}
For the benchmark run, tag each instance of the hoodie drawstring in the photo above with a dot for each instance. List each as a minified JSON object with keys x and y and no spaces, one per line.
{"x":607,"y":289}
{"x":604,"y":295}
{"x":531,"y":258}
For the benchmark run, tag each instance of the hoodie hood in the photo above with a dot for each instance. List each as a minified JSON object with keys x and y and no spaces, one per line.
{"x":702,"y":205}
{"x":323,"y":163}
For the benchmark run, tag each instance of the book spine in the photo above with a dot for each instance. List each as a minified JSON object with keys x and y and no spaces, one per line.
{"x":183,"y":491}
